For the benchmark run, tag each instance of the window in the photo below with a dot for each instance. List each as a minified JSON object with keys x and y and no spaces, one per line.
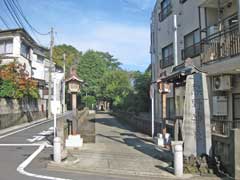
{"x":25,"y":50}
{"x":6,"y":46}
{"x":182,"y":1}
{"x":166,"y":9}
{"x":191,"y":45}
{"x":170,"y":108}
{"x":40,"y":59}
{"x":167,"y":56}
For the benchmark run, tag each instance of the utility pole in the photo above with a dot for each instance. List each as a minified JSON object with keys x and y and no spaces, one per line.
{"x":64,"y":71}
{"x":50,"y":74}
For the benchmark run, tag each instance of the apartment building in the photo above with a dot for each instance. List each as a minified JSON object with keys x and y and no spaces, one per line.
{"x":17,"y":45}
{"x":195,"y":65}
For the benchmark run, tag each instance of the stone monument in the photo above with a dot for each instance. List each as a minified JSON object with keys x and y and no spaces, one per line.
{"x":196,"y":117}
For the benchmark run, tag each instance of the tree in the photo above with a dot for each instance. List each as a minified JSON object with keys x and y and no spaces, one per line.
{"x":138,"y":99}
{"x":15,"y":82}
{"x":115,"y":86}
{"x":91,"y":67}
{"x":72,"y":55}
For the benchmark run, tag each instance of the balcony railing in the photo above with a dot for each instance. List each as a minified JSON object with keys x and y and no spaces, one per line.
{"x":223,"y":127}
{"x":165,"y":12}
{"x":191,"y":51}
{"x":221,"y":45}
{"x":167,"y":61}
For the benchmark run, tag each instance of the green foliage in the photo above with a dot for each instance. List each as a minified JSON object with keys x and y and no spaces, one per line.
{"x":15,"y":83}
{"x":89,"y":101}
{"x":91,"y":68}
{"x":138,"y":99}
{"x":115,"y":86}
{"x":7,"y":88}
{"x":72,"y":55}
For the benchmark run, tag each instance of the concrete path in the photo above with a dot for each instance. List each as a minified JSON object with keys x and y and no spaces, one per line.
{"x":120,"y":151}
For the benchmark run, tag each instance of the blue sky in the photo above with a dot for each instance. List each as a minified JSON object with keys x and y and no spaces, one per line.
{"x":121,"y":27}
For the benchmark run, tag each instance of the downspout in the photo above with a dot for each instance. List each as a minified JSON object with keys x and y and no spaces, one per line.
{"x":238,"y":15}
{"x":175,"y":40}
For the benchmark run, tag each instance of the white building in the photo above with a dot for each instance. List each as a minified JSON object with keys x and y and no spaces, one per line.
{"x":17,"y":45}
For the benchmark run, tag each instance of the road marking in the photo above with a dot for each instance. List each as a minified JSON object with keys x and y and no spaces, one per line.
{"x":36,"y":138}
{"x":25,"y":163}
{"x":20,"y":130}
{"x":26,"y":145}
{"x":37,"y":124}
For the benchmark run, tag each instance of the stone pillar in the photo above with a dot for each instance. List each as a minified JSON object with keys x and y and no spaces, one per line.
{"x":196,"y":116}
{"x":74,"y":101}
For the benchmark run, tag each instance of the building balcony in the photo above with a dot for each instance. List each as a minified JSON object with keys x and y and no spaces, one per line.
{"x":223,"y":44}
{"x":223,"y":127}
{"x":167,"y":61}
{"x":191,"y":51}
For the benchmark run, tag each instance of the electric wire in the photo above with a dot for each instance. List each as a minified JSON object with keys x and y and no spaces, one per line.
{"x":12,"y":15}
{"x":15,"y":13}
{"x":19,"y":9}
{"x":4,"y":22}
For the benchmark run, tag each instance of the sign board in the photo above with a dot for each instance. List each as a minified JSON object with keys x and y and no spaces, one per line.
{"x":74,"y":86}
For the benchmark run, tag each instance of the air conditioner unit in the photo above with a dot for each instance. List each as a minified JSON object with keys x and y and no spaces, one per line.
{"x":221,"y":83}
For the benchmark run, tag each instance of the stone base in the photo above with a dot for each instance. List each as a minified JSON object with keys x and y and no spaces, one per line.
{"x":74,"y":141}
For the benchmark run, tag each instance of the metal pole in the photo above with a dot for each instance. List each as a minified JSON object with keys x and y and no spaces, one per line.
{"x":64,"y":71}
{"x":175,"y":40}
{"x":152,"y":99}
{"x":50,"y":75}
{"x":238,"y":15}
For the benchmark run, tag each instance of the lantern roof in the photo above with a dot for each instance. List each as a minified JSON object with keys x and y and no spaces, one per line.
{"x":73,"y":76}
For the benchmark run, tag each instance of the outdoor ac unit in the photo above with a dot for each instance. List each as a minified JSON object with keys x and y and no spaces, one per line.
{"x":220,"y":106}
{"x":221,"y":83}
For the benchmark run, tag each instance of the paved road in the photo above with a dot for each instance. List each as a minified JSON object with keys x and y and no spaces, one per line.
{"x":12,"y":156}
{"x":113,"y":138}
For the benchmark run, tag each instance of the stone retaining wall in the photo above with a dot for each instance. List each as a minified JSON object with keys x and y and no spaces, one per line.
{"x":14,"y":112}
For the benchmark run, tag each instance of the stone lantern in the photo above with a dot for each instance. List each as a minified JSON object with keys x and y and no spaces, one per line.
{"x":74,"y":83}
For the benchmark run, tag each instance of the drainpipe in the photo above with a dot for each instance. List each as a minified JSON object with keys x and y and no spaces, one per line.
{"x":238,"y":2}
{"x":175,"y":40}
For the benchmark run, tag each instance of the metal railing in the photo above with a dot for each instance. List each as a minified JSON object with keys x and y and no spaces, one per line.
{"x":167,"y":61}
{"x":221,"y":45}
{"x":191,"y":51}
{"x":165,"y":12}
{"x":223,"y":127}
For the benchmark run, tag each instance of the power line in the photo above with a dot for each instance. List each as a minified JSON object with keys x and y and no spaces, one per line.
{"x":15,"y":13}
{"x":12,"y":15}
{"x":19,"y":9}
{"x":4,"y":22}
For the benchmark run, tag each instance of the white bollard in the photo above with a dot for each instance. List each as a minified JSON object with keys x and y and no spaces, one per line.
{"x":57,"y":149}
{"x":178,"y":158}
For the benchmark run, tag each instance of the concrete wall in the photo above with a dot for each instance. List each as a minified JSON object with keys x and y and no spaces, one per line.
{"x":14,"y":112}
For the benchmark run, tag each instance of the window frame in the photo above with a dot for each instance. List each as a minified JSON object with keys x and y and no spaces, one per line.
{"x":195,"y":46}
{"x":169,"y":59}
{"x":5,"y":45}
{"x":27,"y":56}
{"x":166,"y":10}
